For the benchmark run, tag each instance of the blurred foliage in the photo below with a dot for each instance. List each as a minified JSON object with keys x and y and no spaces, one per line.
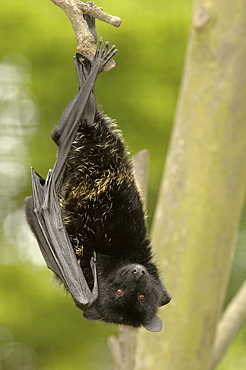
{"x":40,"y":328}
{"x":48,"y":324}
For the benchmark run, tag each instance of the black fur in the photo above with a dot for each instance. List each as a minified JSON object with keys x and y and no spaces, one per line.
{"x":103,"y":212}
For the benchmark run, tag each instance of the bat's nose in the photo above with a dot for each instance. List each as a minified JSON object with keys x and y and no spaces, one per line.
{"x":138,"y":272}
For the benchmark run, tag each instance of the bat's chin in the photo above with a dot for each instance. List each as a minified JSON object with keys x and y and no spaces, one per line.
{"x":92,"y":314}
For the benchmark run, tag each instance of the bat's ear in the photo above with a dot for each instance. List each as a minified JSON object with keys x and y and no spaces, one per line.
{"x":154,"y":325}
{"x":165,"y":297}
{"x":92,"y":314}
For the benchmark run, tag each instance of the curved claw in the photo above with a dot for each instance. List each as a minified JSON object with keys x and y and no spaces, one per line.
{"x":110,"y":54}
{"x":94,"y":273}
{"x":98,"y":47}
{"x":105,"y":49}
{"x":94,"y":256}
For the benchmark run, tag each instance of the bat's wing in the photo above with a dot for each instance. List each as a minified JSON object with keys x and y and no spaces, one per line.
{"x":43,"y":208}
{"x":44,"y":217}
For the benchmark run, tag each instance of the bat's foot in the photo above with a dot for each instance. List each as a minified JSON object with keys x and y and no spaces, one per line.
{"x":102,"y":56}
{"x":105,"y":55}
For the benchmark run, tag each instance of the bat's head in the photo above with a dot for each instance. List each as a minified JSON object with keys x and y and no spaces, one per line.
{"x":129,"y":295}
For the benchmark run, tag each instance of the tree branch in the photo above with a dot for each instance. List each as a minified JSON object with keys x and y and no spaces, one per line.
{"x":98,"y":13}
{"x":229,"y":325}
{"x":74,"y":10}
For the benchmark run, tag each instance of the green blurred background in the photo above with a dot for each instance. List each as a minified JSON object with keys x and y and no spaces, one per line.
{"x":40,"y":328}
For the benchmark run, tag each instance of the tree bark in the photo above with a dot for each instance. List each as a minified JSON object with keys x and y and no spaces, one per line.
{"x":202,"y":190}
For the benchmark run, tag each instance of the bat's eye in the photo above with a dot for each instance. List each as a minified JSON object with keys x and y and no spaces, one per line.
{"x":141,"y":297}
{"x":119,"y":291}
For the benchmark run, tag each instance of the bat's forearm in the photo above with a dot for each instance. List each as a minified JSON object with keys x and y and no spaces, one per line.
{"x":83,"y":106}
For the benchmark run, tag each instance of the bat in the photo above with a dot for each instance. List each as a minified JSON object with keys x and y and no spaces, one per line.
{"x":88,"y":217}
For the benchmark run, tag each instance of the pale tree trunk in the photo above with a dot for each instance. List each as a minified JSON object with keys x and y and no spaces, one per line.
{"x":203,"y":189}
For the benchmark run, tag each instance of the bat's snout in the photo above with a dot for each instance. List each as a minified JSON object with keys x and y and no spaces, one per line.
{"x":138,"y":272}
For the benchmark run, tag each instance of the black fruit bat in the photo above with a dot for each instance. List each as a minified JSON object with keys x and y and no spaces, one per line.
{"x":88,"y":216}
